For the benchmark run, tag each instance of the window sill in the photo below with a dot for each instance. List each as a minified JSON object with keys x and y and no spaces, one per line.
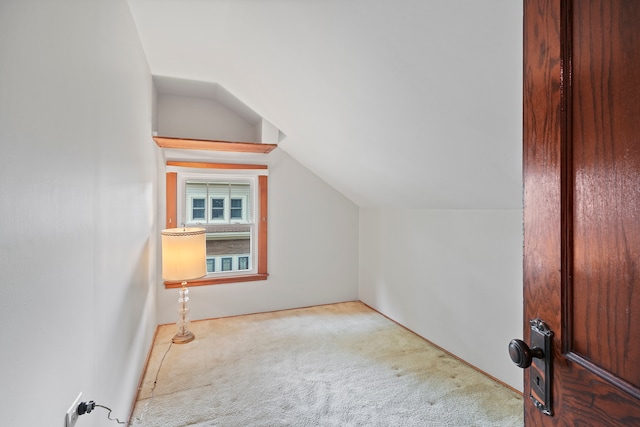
{"x":218,"y":280}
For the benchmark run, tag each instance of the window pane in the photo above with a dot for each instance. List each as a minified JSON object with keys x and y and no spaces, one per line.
{"x":217,"y":208}
{"x":228,"y":242}
{"x":198,"y":209}
{"x":243,"y":263}
{"x":236,"y":208}
{"x":211,"y":265}
{"x":240,"y":206}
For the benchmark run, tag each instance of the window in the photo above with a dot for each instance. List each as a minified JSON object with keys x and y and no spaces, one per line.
{"x":236,"y":209}
{"x":227,"y":264}
{"x":230,"y":203}
{"x":243,"y":263}
{"x":230,"y":224}
{"x":217,"y":209}
{"x":197,"y":208}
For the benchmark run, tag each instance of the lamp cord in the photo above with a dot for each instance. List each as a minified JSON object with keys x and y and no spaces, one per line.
{"x":109,"y":415}
{"x":146,"y":405}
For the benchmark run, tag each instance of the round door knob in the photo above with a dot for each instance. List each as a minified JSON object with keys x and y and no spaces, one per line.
{"x":522,"y":355}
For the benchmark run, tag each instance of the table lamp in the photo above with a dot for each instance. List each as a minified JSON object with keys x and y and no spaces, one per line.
{"x":184,"y":258}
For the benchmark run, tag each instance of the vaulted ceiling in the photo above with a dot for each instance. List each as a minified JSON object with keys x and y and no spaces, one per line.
{"x":395,"y":103}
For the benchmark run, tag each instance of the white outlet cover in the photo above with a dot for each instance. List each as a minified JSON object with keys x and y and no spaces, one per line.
{"x":72,"y":413}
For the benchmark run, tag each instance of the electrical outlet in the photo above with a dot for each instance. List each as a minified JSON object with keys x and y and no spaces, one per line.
{"x":72,"y":413}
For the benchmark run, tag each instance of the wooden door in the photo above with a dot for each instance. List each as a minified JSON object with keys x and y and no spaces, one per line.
{"x":582,"y":206}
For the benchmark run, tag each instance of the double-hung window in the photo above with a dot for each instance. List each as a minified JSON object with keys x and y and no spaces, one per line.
{"x":230,"y":203}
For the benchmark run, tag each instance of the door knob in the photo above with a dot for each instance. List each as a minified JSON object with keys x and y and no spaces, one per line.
{"x":522,"y":355}
{"x":538,"y":357}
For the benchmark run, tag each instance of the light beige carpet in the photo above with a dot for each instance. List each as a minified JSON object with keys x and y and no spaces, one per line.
{"x":334,"y":365}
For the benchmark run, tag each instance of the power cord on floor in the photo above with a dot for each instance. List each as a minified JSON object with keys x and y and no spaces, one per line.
{"x":109,"y":415}
{"x":87,"y":407}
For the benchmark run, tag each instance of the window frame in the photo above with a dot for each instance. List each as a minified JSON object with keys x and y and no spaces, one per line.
{"x":246,"y":259}
{"x":226,"y":261}
{"x":243,"y":210}
{"x":192,"y":208}
{"x":261,"y":217}
{"x":211,"y":260}
{"x":212,"y":208}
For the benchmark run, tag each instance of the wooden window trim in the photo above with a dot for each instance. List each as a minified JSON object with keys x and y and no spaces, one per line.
{"x":263,"y":190}
{"x":263,"y":184}
{"x":172,"y":200}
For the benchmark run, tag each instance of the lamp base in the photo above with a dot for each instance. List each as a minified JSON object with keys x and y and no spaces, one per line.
{"x":183,"y":339}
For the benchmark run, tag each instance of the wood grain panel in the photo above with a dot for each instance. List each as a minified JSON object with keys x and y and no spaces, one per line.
{"x":582,"y":198}
{"x":542,"y":172}
{"x":606,"y":163}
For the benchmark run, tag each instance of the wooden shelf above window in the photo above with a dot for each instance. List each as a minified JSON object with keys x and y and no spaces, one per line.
{"x":202,"y":144}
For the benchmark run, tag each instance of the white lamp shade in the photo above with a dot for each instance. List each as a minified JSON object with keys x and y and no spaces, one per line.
{"x":184,"y":253}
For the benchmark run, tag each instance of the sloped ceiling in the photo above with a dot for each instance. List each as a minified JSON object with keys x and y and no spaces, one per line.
{"x":395,"y":103}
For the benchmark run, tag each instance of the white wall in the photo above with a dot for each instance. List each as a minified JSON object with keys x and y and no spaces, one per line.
{"x":313,"y":246}
{"x":78,"y":188}
{"x":449,"y":265}
{"x":200,"y":118}
{"x":452,"y":276}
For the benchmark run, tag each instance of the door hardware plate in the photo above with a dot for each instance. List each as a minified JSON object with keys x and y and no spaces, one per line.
{"x":540,"y":373}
